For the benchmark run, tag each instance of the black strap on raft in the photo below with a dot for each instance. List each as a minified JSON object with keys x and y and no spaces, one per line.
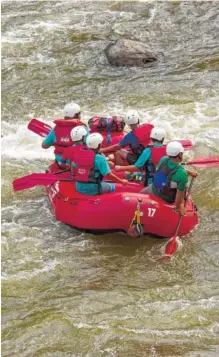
{"x":62,"y":166}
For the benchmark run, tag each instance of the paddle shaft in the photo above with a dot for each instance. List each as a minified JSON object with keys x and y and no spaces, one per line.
{"x":186,"y":198}
{"x":210,"y":161}
{"x":172,"y":245}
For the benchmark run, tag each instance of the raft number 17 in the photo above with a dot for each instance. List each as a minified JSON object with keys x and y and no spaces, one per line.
{"x":151,"y":212}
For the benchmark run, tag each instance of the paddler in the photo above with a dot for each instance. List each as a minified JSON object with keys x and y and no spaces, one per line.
{"x":60,"y":136}
{"x":171,"y":178}
{"x":149,"y":158}
{"x":89,"y":168}
{"x":137,"y":140}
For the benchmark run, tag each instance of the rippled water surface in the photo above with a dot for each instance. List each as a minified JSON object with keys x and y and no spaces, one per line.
{"x":67,"y":293}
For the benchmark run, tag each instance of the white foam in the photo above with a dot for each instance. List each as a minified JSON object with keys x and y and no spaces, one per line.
{"x":20,"y":143}
{"x":199,"y":124}
{"x":29,"y":274}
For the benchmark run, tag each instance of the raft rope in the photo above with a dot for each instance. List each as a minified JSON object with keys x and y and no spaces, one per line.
{"x":136,"y":221}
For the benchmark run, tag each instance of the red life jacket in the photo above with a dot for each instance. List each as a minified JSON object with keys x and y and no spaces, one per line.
{"x":84,"y":160}
{"x":142,"y":133}
{"x":70,"y":152}
{"x":100,"y":124}
{"x":157,"y":152}
{"x":62,"y":131}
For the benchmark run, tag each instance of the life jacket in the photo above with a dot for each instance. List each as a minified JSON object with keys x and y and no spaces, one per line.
{"x":70,"y":151}
{"x":162,"y":180}
{"x":101,"y":124}
{"x":157,"y":152}
{"x":83,"y":169}
{"x":107,"y":126}
{"x":62,"y":131}
{"x":142,"y":134}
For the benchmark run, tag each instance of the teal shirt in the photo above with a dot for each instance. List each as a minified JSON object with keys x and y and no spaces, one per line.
{"x":101,"y":167}
{"x":144,"y":158}
{"x":51,"y":140}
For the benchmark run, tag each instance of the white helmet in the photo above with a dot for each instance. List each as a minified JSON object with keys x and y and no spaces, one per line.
{"x":94,"y":140}
{"x":174,"y":148}
{"x":71,"y":109}
{"x":131,"y":117}
{"x":78,"y":133}
{"x":157,"y":134}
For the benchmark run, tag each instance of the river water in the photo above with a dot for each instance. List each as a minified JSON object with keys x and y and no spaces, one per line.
{"x":66,"y":293}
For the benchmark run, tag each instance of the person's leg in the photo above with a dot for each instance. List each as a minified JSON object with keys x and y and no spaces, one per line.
{"x":110,"y":159}
{"x":131,"y":158}
{"x":111,"y":164}
{"x":107,"y":187}
{"x":120,"y":157}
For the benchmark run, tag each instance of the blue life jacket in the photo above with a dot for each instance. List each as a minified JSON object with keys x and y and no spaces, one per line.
{"x":162,"y":180}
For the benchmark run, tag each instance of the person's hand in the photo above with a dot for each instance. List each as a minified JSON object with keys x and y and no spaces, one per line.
{"x":193,"y":174}
{"x":117,"y":168}
{"x":124,"y":182}
{"x":181,"y":210}
{"x":111,"y":157}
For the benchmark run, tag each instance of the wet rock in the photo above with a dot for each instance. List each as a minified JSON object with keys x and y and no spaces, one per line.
{"x":129,"y":53}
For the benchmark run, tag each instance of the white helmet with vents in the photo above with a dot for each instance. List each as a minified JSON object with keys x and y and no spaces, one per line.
{"x":174,"y":148}
{"x":131,"y":117}
{"x":94,"y":140}
{"x":71,"y":109}
{"x":78,"y":133}
{"x":157,"y":134}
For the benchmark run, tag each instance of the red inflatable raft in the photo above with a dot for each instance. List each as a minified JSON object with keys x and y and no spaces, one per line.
{"x":115,"y":211}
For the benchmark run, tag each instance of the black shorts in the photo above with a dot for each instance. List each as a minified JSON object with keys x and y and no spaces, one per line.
{"x":131,"y":158}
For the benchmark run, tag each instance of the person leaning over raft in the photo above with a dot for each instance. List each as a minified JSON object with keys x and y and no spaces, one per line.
{"x":89,"y":167}
{"x":147,"y":161}
{"x":132,"y":139}
{"x":171,"y":178}
{"x":59,"y":136}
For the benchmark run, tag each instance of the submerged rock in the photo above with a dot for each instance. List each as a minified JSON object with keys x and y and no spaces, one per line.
{"x":129,"y":53}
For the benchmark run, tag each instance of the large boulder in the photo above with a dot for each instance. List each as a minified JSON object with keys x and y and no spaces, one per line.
{"x":129,"y":53}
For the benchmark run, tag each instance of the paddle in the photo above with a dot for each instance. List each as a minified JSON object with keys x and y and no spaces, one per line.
{"x":44,"y":179}
{"x":210,"y":161}
{"x":43,"y":129}
{"x":35,"y":179}
{"x":38,"y":127}
{"x":172,"y":244}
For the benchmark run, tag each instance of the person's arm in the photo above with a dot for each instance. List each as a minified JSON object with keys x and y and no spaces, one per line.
{"x":139,"y":164}
{"x":124,"y":142}
{"x":179,"y":202}
{"x":49,"y":140}
{"x":117,"y":179}
{"x":110,"y":148}
{"x":180,"y":193}
{"x":125,"y":168}
{"x":192,"y":173}
{"x":104,"y":169}
{"x":44,"y":146}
